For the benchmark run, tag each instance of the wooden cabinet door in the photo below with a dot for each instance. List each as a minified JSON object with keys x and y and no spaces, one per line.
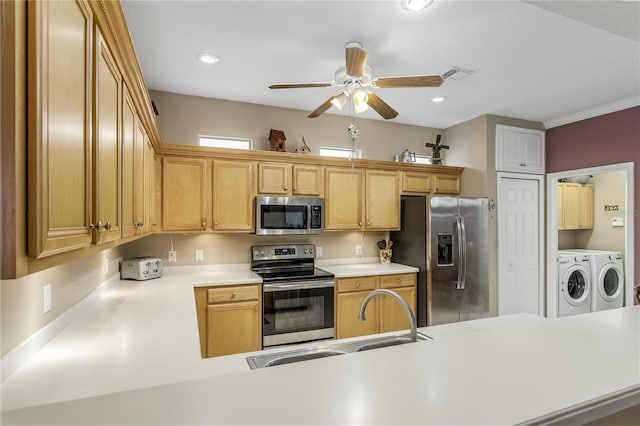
{"x":233,"y":328}
{"x":183,"y":194}
{"x":343,"y":199}
{"x":347,"y":310}
{"x":60,"y":169}
{"x":274,"y":178}
{"x":308,"y":180}
{"x":446,"y":184}
{"x":416,"y":182}
{"x":382,"y":204}
{"x":560,"y":191}
{"x":233,"y":196}
{"x":106,"y":153}
{"x":392,"y":315}
{"x":128,"y":154}
{"x":586,"y":206}
{"x":150,"y":195}
{"x":571,"y":206}
{"x":139,"y":178}
{"x":519,"y":150}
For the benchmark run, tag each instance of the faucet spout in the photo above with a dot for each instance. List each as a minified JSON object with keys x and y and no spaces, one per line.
{"x":399,"y":299}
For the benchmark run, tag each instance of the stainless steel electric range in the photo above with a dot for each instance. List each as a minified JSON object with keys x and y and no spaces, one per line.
{"x":297,"y":297}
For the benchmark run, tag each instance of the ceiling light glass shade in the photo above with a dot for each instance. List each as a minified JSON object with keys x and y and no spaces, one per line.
{"x":360,"y":99}
{"x":415,"y":5}
{"x":339,"y":101}
{"x":208,"y":58}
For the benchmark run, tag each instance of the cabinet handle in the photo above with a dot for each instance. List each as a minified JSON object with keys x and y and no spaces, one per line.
{"x":107,"y":226}
{"x":204,"y":224}
{"x":358,"y":285}
{"x":360,"y":224}
{"x":233,"y":295}
{"x":436,"y":189}
{"x":285,"y":188}
{"x":98,"y":227}
{"x":295,"y":188}
{"x":256,"y":307}
{"x":368,"y":223}
{"x":215,"y":222}
{"x":523,"y":164}
{"x":398,"y":280}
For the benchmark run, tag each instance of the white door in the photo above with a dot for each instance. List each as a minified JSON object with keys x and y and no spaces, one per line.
{"x":519,"y":247}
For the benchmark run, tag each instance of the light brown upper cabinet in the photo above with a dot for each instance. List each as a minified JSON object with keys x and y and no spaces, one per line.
{"x":430,"y":183}
{"x":128,"y":166}
{"x":233,"y":196}
{"x":59,"y":169}
{"x":382,"y":200}
{"x":106,"y":146}
{"x":150,"y":188}
{"x":575,"y":206}
{"x":345,"y":205}
{"x":184,"y":194}
{"x":139,"y":178}
{"x":343,"y":199}
{"x":288,"y":179}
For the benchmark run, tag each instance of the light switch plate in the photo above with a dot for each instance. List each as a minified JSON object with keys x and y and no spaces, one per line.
{"x":617,"y":221}
{"x":199,"y":255}
{"x":318,"y":251}
{"x":46,"y":294}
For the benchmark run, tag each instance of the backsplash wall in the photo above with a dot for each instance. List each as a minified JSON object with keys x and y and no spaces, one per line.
{"x":235,"y":248}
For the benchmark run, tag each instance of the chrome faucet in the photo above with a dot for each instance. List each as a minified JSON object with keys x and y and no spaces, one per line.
{"x":403,"y":303}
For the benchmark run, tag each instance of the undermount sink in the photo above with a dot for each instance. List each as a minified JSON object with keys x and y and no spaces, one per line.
{"x":325,"y":350}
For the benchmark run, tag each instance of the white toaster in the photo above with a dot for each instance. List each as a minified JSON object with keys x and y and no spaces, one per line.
{"x":141,"y":268}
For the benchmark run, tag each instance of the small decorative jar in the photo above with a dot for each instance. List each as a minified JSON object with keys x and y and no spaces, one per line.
{"x":385,"y":256}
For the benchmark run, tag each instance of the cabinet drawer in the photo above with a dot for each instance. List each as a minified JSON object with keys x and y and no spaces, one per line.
{"x":402,"y":280}
{"x":233,"y":294}
{"x":346,"y":285}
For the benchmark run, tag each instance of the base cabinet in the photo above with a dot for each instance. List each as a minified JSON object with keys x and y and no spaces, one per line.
{"x":229,"y":319}
{"x":383,"y":313}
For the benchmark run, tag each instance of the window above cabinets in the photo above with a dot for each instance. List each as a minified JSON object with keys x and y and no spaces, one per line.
{"x":224,"y":142}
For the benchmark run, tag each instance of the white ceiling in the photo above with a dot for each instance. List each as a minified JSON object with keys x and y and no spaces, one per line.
{"x":538,"y":60}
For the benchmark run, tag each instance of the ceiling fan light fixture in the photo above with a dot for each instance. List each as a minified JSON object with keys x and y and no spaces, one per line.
{"x":360,"y":98}
{"x":415,"y":5}
{"x":339,"y":101}
{"x":208,"y":58}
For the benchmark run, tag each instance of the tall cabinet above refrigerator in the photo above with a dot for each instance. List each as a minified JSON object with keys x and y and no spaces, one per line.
{"x":447,"y":238}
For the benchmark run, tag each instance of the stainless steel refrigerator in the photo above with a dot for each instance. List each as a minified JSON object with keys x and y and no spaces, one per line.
{"x":447,"y":238}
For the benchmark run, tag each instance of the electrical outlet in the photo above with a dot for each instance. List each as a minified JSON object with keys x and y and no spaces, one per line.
{"x":199,"y":255}
{"x":46,"y":293}
{"x":173,"y":256}
{"x":358,"y":250}
{"x":318,"y":251}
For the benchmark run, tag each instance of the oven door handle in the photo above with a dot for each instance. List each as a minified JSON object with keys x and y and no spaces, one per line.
{"x":267,"y":288}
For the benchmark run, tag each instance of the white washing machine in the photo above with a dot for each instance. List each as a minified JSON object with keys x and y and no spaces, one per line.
{"x":574,"y":283}
{"x":607,"y":277}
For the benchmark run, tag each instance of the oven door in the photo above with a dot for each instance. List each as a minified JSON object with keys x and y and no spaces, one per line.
{"x":297,"y":312}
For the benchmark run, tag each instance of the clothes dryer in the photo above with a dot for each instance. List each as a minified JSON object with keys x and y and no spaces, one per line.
{"x":574,"y":283}
{"x":607,"y":278}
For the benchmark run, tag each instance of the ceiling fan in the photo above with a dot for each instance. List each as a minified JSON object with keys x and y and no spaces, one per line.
{"x":355,"y":81}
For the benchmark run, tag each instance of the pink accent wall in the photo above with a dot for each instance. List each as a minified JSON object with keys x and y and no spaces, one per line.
{"x":608,"y":139}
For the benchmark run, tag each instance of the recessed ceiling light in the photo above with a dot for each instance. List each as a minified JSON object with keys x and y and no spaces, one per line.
{"x":208,"y":58}
{"x":415,"y":5}
{"x":438,"y":99}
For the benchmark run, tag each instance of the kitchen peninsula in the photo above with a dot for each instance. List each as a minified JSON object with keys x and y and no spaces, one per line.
{"x":133,"y":358}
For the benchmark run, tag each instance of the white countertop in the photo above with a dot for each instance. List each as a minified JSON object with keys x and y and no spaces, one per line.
{"x":134,"y":359}
{"x":365,"y":269}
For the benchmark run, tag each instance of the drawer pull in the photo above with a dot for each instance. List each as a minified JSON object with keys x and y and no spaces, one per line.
{"x":358,"y":285}
{"x":233,"y":295}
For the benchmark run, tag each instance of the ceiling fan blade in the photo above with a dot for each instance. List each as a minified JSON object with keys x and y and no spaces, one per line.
{"x":298,"y":85}
{"x":409,"y":81}
{"x":380,"y":106}
{"x":322,"y":108}
{"x":356,"y":59}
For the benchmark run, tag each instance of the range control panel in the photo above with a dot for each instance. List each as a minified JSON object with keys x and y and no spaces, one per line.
{"x":283,"y":252}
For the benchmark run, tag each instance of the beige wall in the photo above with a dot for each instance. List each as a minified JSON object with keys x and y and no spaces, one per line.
{"x":235,"y":248}
{"x":183,"y":118}
{"x":22,"y":299}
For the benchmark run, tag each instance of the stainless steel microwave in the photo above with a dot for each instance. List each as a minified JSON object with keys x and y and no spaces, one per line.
{"x":289,"y":215}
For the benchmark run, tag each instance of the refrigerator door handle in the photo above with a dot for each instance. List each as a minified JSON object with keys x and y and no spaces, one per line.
{"x":463,"y":263}
{"x":460,"y":252}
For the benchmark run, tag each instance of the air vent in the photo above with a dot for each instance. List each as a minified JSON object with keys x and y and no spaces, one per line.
{"x":456,"y":73}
